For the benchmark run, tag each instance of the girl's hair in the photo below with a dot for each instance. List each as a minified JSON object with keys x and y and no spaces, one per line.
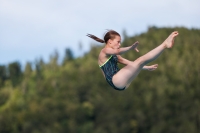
{"x":109,"y":35}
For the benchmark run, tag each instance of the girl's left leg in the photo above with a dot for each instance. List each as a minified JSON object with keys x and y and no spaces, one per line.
{"x":126,"y":75}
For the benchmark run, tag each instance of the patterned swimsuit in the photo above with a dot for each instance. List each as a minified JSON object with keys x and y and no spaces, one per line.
{"x":110,"y":68}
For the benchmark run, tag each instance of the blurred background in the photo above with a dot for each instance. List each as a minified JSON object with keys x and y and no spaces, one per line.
{"x":49,"y":77}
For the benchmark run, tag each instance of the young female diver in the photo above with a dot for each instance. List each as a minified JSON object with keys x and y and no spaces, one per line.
{"x":109,"y":56}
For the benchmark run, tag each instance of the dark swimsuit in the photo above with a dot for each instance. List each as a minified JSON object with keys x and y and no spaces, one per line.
{"x":110,"y":68}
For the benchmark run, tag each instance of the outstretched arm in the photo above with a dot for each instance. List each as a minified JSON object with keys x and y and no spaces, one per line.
{"x":122,"y":60}
{"x":110,"y":51}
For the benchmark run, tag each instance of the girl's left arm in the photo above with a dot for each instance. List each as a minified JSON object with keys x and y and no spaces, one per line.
{"x":122,"y":60}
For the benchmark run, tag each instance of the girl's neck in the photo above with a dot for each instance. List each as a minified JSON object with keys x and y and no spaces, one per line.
{"x":108,"y":46}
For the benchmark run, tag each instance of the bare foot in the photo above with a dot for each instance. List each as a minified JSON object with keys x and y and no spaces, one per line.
{"x":169,"y":42}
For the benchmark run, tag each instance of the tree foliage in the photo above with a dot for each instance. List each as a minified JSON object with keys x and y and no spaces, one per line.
{"x":75,"y":98}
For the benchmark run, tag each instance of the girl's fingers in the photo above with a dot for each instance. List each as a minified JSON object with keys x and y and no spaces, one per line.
{"x":136,"y":42}
{"x":134,"y":46}
{"x":156,"y":65}
{"x":153,"y":67}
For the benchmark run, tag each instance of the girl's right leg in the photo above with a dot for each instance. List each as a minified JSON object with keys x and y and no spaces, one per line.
{"x":128,"y":73}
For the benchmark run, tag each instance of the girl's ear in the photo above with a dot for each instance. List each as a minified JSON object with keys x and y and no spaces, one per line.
{"x":109,"y":41}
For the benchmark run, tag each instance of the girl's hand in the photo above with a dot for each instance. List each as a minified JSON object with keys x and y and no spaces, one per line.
{"x":134,"y":46}
{"x":152,"y":67}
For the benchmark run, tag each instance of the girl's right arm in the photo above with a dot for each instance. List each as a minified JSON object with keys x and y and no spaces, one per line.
{"x":110,"y":51}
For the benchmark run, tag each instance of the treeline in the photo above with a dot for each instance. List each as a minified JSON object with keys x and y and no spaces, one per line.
{"x":13,"y":72}
{"x":73,"y":97}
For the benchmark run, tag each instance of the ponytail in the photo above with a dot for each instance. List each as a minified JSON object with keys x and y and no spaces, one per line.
{"x":96,"y":38}
{"x":109,"y":35}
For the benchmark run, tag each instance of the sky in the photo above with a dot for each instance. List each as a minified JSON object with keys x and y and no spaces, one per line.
{"x":35,"y":29}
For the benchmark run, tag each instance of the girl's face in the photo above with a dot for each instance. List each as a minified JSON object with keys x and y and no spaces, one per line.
{"x":115,"y":43}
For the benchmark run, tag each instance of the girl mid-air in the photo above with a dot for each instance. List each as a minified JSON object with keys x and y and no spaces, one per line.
{"x":109,"y":56}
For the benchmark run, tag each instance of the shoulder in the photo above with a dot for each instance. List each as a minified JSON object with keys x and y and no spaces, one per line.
{"x":106,"y":49}
{"x":103,"y":53}
{"x":110,"y":51}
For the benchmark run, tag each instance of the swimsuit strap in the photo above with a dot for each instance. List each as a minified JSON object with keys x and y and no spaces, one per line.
{"x":106,"y":61}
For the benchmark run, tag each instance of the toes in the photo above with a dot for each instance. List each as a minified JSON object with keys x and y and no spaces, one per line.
{"x":175,"y":32}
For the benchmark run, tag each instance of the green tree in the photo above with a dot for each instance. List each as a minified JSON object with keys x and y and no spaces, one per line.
{"x":68,"y":56}
{"x":15,"y":73}
{"x":28,"y":70}
{"x":75,"y":98}
{"x":3,"y":75}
